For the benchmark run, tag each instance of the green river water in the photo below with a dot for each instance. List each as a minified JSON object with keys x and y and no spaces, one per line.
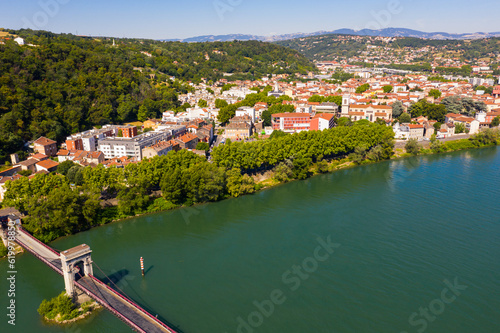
{"x":414,"y":246}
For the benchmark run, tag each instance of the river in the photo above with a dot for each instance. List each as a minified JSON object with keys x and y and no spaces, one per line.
{"x":409,"y":245}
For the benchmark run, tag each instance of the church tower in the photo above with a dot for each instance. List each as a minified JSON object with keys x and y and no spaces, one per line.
{"x":346,"y":102}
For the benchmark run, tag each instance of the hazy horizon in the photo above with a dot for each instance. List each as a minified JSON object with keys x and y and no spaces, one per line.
{"x":155,"y":19}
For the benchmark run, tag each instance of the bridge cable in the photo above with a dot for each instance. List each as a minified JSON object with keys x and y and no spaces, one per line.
{"x":96,"y":292}
{"x":90,"y":286}
{"x":122,"y":292}
{"x":107,"y":277}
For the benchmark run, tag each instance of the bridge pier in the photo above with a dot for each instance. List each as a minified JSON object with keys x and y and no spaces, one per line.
{"x":69,"y":259}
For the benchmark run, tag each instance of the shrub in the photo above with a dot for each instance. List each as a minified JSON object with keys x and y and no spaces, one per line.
{"x":413,"y":147}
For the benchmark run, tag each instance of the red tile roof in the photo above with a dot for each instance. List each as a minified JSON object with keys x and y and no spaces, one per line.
{"x":44,"y":141}
{"x":47,"y":164}
{"x":326,"y":116}
{"x":291,"y":115}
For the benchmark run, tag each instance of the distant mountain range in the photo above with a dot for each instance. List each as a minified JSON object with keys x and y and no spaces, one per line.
{"x":388,"y":32}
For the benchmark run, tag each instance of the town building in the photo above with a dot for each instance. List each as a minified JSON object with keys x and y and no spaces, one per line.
{"x":416,"y":131}
{"x":401,"y":131}
{"x":187,"y":141}
{"x":45,"y":146}
{"x":239,"y":128}
{"x":3,"y":180}
{"x":90,"y":138}
{"x":291,"y":122}
{"x":46,"y":165}
{"x":327,"y":108}
{"x":368,"y":112}
{"x":113,"y":147}
{"x":322,"y":121}
{"x":74,"y":144}
{"x":127,"y":131}
{"x":160,"y":149}
{"x":492,"y":115}
{"x":246,"y":110}
{"x":447,"y":130}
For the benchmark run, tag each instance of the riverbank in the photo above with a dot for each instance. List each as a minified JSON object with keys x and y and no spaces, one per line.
{"x":266,"y":180}
{"x":284,"y":172}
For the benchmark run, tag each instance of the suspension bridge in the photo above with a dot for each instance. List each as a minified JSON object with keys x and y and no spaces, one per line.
{"x":117,"y":302}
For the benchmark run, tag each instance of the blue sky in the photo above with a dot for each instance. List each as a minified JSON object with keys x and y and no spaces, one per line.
{"x":180,"y":19}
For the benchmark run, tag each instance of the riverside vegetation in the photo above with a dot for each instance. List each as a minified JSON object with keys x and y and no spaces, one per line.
{"x":55,"y":208}
{"x":72,"y":200}
{"x":61,"y":309}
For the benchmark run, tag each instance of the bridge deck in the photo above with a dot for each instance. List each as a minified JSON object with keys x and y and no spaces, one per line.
{"x":123,"y":306}
{"x":125,"y":309}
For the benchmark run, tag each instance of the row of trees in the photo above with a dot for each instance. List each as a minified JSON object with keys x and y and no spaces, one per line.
{"x":56,"y":205}
{"x":486,"y":138}
{"x":313,"y":145}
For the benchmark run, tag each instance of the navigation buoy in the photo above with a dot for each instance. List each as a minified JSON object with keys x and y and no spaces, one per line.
{"x":142,"y":266}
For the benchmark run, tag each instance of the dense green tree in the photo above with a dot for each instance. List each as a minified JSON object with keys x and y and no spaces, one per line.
{"x":376,"y":153}
{"x":459,"y":128}
{"x":404,"y":118}
{"x":301,"y":165}
{"x":63,"y":167}
{"x":238,"y":184}
{"x":431,"y":111}
{"x":314,"y":144}
{"x":413,"y":147}
{"x":132,"y":200}
{"x":362,"y":88}
{"x":466,"y":105}
{"x":359,"y":154}
{"x":227,"y":113}
{"x":202,"y":103}
{"x":326,"y":99}
{"x":220,"y":103}
{"x":387,"y":89}
{"x":75,"y":175}
{"x":277,"y":134}
{"x":283,"y":172}
{"x":315,"y":99}
{"x":204,"y":182}
{"x":436,"y":145}
{"x":266,"y":117}
{"x":344,"y":121}
{"x":436,"y":93}
{"x":202,"y":146}
{"x":173,"y":186}
{"x":495,"y":122}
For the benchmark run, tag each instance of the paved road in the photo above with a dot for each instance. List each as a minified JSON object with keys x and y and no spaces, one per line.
{"x":125,"y":308}
{"x":40,"y":249}
{"x":401,"y":143}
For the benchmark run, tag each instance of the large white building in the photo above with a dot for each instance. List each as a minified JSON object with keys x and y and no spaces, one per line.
{"x":190,"y":114}
{"x":238,"y":92}
{"x":246,"y":110}
{"x":368,"y":112}
{"x":132,"y":147}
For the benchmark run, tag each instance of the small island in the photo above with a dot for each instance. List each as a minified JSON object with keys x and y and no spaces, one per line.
{"x":63,"y":309}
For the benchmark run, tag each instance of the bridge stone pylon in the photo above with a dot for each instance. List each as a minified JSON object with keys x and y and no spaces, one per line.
{"x":69,"y":259}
